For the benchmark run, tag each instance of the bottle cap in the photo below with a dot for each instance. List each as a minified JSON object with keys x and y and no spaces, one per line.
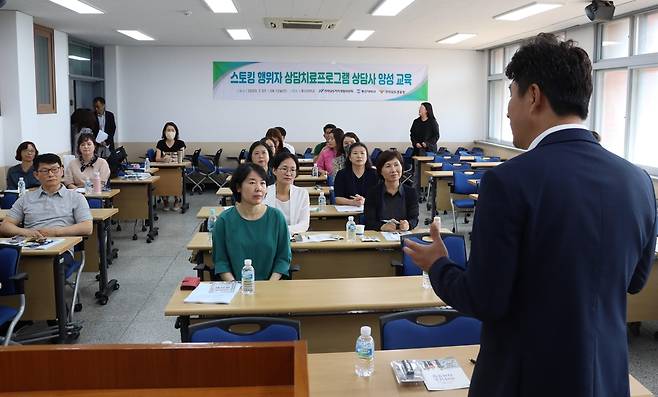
{"x":247,"y":262}
{"x":321,"y":193}
{"x":437,"y":219}
{"x":213,"y":211}
{"x":365,"y":331}
{"x":350,"y":218}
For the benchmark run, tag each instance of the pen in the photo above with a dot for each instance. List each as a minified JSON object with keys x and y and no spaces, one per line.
{"x":472,"y":361}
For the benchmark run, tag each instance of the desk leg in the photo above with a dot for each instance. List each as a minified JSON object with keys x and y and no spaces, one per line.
{"x":185,"y":205}
{"x":183,"y":323}
{"x":417,"y":176}
{"x":105,"y":287}
{"x":153,"y":231}
{"x":60,"y":303}
{"x":433,"y":193}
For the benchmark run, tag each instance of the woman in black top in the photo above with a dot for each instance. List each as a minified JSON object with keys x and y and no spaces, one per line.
{"x":424,"y":130}
{"x":260,"y":153}
{"x":356,"y":178}
{"x":164,"y":150}
{"x":25,"y":153}
{"x":391,"y":206}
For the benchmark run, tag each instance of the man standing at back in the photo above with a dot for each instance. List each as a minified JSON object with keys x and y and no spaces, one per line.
{"x":104,"y":122}
{"x":561,"y":234}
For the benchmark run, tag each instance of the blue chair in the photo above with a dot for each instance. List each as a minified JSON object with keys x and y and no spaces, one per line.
{"x":308,"y":153}
{"x":375,"y":155}
{"x":407,"y":166}
{"x":407,"y":330}
{"x":13,"y":283}
{"x":269,"y":330}
{"x":8,"y":200}
{"x":455,"y":244}
{"x":332,"y":192}
{"x":194,"y":175}
{"x":95,"y":203}
{"x":460,"y":186}
{"x":443,"y":151}
{"x":218,"y":175}
{"x":477,"y":151}
{"x":456,"y":166}
{"x":489,"y":158}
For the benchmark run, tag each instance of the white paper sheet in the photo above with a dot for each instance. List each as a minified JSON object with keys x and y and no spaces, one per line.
{"x":443,"y":374}
{"x":214,"y":292}
{"x":101,"y":137}
{"x":349,"y":208}
{"x":394,"y":236}
{"x":318,"y":238}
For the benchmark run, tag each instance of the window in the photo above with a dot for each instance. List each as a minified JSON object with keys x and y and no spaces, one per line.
{"x":646,"y":33}
{"x":499,"y":95}
{"x":612,"y":86}
{"x":44,"y":64}
{"x":496,"y":61}
{"x":496,"y":109}
{"x":614,"y":39}
{"x":645,"y":117}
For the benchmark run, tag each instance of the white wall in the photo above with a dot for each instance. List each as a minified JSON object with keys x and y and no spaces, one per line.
{"x":20,"y":120}
{"x":157,"y":84}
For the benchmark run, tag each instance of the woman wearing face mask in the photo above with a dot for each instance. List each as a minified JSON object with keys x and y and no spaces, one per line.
{"x":83,"y":168}
{"x":326,"y":159}
{"x":260,"y":153}
{"x":391,"y":206}
{"x":291,"y":200}
{"x":251,"y":230}
{"x":355,"y":180}
{"x":424,"y":130}
{"x":165,"y":149}
{"x":341,"y":152}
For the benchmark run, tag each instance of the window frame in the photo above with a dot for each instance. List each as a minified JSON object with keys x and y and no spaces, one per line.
{"x":51,"y":106}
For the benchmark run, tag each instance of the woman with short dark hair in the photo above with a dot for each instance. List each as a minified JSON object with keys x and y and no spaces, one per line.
{"x":291,"y":200}
{"x":260,"y":153}
{"x":251,"y":230}
{"x":341,"y":151}
{"x":25,"y":153}
{"x":355,"y":180}
{"x":86,"y":164}
{"x":165,"y":149}
{"x":391,"y":206}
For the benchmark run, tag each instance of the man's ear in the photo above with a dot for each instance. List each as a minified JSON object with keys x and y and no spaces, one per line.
{"x":534,"y":96}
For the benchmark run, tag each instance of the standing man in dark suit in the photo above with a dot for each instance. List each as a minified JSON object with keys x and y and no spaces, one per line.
{"x":104,"y":122}
{"x":561,"y":234}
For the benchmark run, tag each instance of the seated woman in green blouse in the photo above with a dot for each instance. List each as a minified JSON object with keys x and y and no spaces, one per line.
{"x":251,"y":230}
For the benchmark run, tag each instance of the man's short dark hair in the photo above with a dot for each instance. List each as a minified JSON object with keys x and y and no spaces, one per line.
{"x":239,"y":176}
{"x":282,"y":131}
{"x":328,"y":127}
{"x":99,"y":99}
{"x":281,"y":157}
{"x":47,"y":158}
{"x":24,"y":146}
{"x":562,"y":71}
{"x":385,"y":157}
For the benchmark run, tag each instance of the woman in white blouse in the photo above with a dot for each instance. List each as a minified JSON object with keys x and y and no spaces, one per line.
{"x":292,"y":200}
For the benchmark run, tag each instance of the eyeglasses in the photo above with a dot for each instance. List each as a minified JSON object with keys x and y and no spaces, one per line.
{"x":287,"y":170}
{"x":46,"y":171}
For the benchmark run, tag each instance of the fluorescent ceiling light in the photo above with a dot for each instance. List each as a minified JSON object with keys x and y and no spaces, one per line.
{"x":239,"y":34}
{"x":78,"y":6}
{"x":526,"y":11}
{"x":136,"y":34}
{"x":456,"y":38}
{"x":77,"y":58}
{"x":391,"y":8}
{"x":222,"y":6}
{"x":360,"y":35}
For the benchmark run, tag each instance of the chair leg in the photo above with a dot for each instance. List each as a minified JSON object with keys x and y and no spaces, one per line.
{"x":76,"y":285}
{"x":454,"y":216}
{"x":12,"y":325}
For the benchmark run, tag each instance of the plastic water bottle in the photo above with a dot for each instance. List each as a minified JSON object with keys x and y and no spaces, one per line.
{"x":147,"y":165}
{"x":98,"y":187}
{"x":88,"y":186}
{"x":211,"y":222}
{"x":315,"y":171}
{"x":248,"y":278}
{"x":365,"y":353}
{"x":21,"y":187}
{"x":350,"y":229}
{"x":322,"y":202}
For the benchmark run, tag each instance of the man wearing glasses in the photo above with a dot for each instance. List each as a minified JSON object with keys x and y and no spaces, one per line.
{"x":51,"y":210}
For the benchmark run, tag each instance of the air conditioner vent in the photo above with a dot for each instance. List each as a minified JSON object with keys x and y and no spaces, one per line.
{"x":301,"y":23}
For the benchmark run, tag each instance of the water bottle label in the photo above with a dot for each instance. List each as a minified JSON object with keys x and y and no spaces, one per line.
{"x":352,"y":227}
{"x":364,"y":352}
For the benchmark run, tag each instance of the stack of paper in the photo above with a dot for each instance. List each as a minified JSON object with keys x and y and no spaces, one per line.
{"x":394,"y":236}
{"x":443,"y":374}
{"x":318,"y":238}
{"x":348,"y":208}
{"x":214,"y":292}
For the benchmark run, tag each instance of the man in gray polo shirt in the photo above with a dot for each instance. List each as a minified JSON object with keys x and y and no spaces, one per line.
{"x":51,"y":210}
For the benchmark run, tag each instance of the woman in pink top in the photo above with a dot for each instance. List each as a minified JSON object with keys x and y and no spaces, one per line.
{"x":326,"y":158}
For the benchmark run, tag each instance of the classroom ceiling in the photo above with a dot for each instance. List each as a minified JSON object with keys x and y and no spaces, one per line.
{"x":420,"y":25}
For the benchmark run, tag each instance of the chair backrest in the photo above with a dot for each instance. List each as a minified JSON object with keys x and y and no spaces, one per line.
{"x":242,"y":155}
{"x":460,"y":181}
{"x":408,"y":153}
{"x":462,"y":151}
{"x":8,"y":200}
{"x":218,"y":156}
{"x":205,"y":164}
{"x":308,"y":153}
{"x":195,"y":158}
{"x":443,"y":151}
{"x":477,"y":151}
{"x":492,"y":159}
{"x":95,"y":203}
{"x":455,"y":166}
{"x":269,"y":330}
{"x":10,"y":256}
{"x":406,"y":330}
{"x":150,"y":154}
{"x":375,"y":154}
{"x":455,"y":244}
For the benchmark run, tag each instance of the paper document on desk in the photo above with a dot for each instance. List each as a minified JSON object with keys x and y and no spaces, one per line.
{"x":393,"y":236}
{"x":318,"y":238}
{"x":30,"y":243}
{"x":443,"y":374}
{"x":349,"y":208}
{"x":214,"y":292}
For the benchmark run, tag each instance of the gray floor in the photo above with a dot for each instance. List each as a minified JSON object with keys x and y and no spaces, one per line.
{"x":149,"y":273}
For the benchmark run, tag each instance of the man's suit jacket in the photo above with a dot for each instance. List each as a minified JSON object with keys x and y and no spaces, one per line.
{"x":561,"y":233}
{"x":110,"y":128}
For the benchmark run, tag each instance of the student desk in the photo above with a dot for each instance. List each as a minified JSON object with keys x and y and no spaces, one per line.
{"x":224,"y":194}
{"x":474,"y":182}
{"x":444,"y":199}
{"x":486,"y":164}
{"x":420,"y":168}
{"x":105,"y":196}
{"x":96,"y":252}
{"x":332,"y":374}
{"x":302,"y":180}
{"x":44,"y":290}
{"x":474,"y":196}
{"x":172,"y":181}
{"x":305,"y":170}
{"x":331,"y":312}
{"x":304,"y":160}
{"x":314,"y":193}
{"x":136,"y":201}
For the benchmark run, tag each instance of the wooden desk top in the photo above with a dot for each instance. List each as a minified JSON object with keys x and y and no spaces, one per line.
{"x":316,"y":296}
{"x":474,"y":196}
{"x":485,"y":164}
{"x":439,"y":174}
{"x":329,"y":212}
{"x":423,"y":158}
{"x":224,"y":191}
{"x":3,"y":214}
{"x":67,"y":244}
{"x":309,"y":178}
{"x":474,"y":182}
{"x":312,"y":191}
{"x":101,"y":214}
{"x":184,"y":164}
{"x":332,"y":374}
{"x":104,"y":195}
{"x":150,"y":180}
{"x":305,"y":161}
{"x":305,"y":169}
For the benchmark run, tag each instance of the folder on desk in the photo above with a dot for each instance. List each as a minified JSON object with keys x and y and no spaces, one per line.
{"x":214,"y":292}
